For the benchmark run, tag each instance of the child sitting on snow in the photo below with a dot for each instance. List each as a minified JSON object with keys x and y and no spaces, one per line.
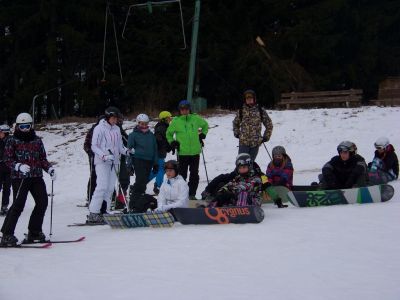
{"x":280,"y":169}
{"x":174,"y":191}
{"x":244,"y":189}
{"x":385,"y":165}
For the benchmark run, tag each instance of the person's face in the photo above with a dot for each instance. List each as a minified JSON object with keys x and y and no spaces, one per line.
{"x":113,"y":120}
{"x":168,"y":120}
{"x":249,"y":99}
{"x":143,"y":124}
{"x":380,"y":149}
{"x":184,"y":110}
{"x":170,"y":173}
{"x":278,"y":156}
{"x":243,"y":169}
{"x":344,"y":155}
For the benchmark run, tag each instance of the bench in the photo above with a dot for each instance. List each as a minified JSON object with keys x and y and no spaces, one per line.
{"x":317,"y":99}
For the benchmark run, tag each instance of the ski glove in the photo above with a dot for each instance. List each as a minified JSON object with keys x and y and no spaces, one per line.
{"x":265,"y":139}
{"x":52,"y":173}
{"x":174,"y":146}
{"x":202,"y":136}
{"x":109,"y":157}
{"x":130,"y":151}
{"x":155,"y":168}
{"x":22,"y":168}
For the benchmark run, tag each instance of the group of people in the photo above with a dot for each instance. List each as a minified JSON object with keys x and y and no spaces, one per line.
{"x":114,"y":156}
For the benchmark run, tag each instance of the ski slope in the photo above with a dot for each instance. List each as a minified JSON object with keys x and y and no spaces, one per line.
{"x":337,"y":252}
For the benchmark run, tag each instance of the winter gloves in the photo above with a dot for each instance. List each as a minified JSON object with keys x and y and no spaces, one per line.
{"x":52,"y":173}
{"x":174,"y":146}
{"x":23,"y":168}
{"x":108,"y":157}
{"x":202,"y":136}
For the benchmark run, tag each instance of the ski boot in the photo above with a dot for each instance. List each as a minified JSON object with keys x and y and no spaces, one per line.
{"x":8,"y":240}
{"x":3,"y":211}
{"x":34,"y":237}
{"x":278,"y":202}
{"x":94,"y":218}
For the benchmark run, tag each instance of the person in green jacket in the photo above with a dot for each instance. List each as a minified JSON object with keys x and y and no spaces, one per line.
{"x":145,"y":158}
{"x":189,"y":131}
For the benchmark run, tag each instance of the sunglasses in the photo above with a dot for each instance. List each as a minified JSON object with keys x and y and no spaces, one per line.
{"x":24,"y":126}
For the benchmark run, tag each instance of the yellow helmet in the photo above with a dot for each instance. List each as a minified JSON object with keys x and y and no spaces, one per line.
{"x":164,"y":114}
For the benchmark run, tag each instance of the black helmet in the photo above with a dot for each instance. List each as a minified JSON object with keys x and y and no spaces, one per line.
{"x":347,"y":146}
{"x":243,"y":159}
{"x":278,"y":150}
{"x":172,"y":164}
{"x":112,"y":111}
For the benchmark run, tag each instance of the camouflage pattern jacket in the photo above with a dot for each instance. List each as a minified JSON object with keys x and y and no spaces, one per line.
{"x":247,"y":126}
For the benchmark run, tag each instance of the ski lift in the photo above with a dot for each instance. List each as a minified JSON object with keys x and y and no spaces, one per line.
{"x":149,"y":5}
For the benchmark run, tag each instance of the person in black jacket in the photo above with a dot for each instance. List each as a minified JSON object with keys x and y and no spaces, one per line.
{"x":163,"y":148}
{"x":385,"y":165}
{"x":346,"y":170}
{"x":5,"y":173}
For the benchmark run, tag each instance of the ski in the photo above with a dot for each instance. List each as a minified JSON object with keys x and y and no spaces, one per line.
{"x":25,"y":242}
{"x":33,"y":246}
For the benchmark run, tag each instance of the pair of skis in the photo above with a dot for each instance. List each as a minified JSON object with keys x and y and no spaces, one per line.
{"x":44,"y":245}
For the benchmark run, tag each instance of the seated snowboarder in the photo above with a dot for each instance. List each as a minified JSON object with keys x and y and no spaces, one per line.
{"x":244,"y":189}
{"x":385,"y":165}
{"x":174,"y":191}
{"x":346,"y":170}
{"x":280,"y":171}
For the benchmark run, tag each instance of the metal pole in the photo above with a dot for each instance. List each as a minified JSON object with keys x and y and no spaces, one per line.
{"x":205,"y":167}
{"x":51,"y":208}
{"x":192,"y":64}
{"x":267,"y":151}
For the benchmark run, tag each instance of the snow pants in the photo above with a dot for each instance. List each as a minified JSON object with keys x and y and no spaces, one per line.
{"x":5,"y":184}
{"x":191,"y":162}
{"x":21,"y":187}
{"x":252,"y":151}
{"x":160,"y":174}
{"x":105,"y":182}
{"x":91,"y":186}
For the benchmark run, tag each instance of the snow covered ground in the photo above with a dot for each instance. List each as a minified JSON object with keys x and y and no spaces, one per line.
{"x":338,"y":252}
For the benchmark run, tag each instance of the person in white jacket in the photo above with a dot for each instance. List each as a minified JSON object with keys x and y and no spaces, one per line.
{"x":107,"y":147}
{"x":174,"y":191}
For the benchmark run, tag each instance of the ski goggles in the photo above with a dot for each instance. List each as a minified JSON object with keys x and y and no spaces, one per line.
{"x":25,"y":127}
{"x":243,"y":162}
{"x":377,"y":147}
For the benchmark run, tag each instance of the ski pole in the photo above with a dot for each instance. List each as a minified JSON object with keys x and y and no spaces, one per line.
{"x":204,"y":161}
{"x":51,"y":208}
{"x":267,"y":151}
{"x":119,"y":184}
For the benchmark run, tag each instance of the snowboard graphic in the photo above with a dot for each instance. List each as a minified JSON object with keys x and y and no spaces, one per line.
{"x":274,"y":192}
{"x":370,"y":194}
{"x":149,"y":219}
{"x":219,"y":215}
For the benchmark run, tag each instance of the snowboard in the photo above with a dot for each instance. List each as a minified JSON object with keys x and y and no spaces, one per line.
{"x":369,"y":194}
{"x":133,"y":220}
{"x":274,"y":192}
{"x":219,"y":215}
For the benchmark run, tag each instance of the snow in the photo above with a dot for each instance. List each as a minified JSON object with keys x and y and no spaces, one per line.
{"x":337,"y":252}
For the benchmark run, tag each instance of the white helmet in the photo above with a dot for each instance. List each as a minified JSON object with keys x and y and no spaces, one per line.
{"x":143,"y":118}
{"x":23,"y":118}
{"x":5,"y":128}
{"x":382,"y":142}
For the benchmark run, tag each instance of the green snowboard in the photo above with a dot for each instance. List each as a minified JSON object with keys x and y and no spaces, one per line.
{"x":274,"y":192}
{"x":370,"y":194}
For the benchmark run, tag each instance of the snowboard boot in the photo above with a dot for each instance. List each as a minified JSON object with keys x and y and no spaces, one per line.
{"x":8,"y":240}
{"x":94,"y":218}
{"x":202,"y":203}
{"x":192,"y":197}
{"x":156,"y":189}
{"x":35,"y":237}
{"x":3,"y":211}
{"x":279,"y":203}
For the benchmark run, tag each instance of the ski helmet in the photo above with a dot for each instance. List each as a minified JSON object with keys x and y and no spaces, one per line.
{"x":347,"y":146}
{"x":142,"y":118}
{"x":251,"y":93}
{"x":23,"y":118}
{"x":164,"y":115}
{"x":112,"y":111}
{"x":243,"y":159}
{"x":382,"y":143}
{"x":184,"y":104}
{"x":278,"y":150}
{"x":5,"y":128}
{"x":172,"y":165}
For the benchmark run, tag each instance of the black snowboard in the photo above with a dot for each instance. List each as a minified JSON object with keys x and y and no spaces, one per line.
{"x":219,"y":215}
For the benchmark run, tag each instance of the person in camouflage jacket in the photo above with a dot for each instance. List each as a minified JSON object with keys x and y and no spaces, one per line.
{"x":244,"y":189}
{"x":247,"y":125}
